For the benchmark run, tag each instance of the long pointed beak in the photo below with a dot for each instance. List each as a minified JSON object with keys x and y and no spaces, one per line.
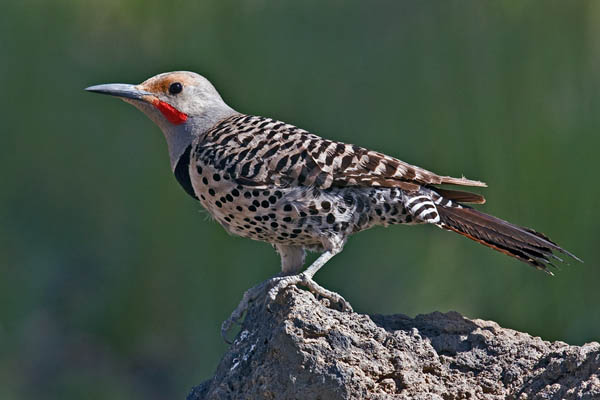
{"x":119,"y":90}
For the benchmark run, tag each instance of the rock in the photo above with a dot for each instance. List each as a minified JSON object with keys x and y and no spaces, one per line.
{"x":298,"y":348}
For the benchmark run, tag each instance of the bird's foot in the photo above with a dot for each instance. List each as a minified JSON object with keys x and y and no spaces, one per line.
{"x":305,"y":280}
{"x":275,"y":286}
{"x":237,"y":315}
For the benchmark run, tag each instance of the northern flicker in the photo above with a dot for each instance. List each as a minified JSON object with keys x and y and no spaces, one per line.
{"x":270,"y":181}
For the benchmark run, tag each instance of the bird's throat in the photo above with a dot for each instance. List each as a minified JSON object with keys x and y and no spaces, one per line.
{"x":172,"y":114}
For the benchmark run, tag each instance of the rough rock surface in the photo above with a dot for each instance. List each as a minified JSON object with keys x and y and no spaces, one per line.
{"x":298,"y":348}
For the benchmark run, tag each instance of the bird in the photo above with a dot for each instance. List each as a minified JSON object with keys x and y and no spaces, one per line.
{"x":271,"y":181}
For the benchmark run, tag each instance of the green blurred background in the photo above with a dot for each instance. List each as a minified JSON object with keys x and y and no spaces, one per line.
{"x":113,"y":281}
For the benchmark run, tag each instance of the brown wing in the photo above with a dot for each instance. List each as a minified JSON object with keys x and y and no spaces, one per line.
{"x":260,"y":152}
{"x":355,"y":166}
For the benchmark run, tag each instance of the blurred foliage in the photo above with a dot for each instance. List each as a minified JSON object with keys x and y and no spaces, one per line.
{"x":114,"y":282}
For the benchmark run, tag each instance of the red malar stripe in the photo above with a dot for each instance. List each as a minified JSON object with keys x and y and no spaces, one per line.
{"x":171,"y":113}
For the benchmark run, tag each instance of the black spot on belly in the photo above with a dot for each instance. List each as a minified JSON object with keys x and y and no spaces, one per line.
{"x":330,"y":218}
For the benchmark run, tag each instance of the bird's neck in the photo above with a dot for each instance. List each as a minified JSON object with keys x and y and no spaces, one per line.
{"x":179,"y":137}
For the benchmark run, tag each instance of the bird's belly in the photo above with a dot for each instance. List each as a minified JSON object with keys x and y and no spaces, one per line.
{"x":300,"y":215}
{"x":264,"y":214}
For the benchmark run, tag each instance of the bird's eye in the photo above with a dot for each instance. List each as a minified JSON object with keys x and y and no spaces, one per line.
{"x":175,"y":88}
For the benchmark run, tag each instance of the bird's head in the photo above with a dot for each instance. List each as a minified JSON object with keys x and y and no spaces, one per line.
{"x":183,"y":104}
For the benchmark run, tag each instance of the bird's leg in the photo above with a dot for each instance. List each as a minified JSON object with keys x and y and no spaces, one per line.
{"x":292,"y":259}
{"x":306,"y":279}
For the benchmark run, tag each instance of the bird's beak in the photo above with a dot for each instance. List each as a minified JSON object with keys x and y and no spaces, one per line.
{"x":120,"y":90}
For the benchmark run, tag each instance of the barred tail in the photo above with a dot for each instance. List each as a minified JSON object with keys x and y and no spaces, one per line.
{"x":522,"y":243}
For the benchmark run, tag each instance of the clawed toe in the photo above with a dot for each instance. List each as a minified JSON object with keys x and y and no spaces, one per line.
{"x":234,"y":319}
{"x":310,"y":284}
{"x":274,"y":287}
{"x":333,"y":297}
{"x":280,"y":283}
{"x":226,"y":327}
{"x":237,"y":315}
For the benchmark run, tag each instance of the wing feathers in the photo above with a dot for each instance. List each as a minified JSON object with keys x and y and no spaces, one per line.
{"x":462,"y":181}
{"x":266,"y":151}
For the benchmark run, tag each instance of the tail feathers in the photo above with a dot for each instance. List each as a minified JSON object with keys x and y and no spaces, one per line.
{"x":522,"y":243}
{"x":461,"y":196}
